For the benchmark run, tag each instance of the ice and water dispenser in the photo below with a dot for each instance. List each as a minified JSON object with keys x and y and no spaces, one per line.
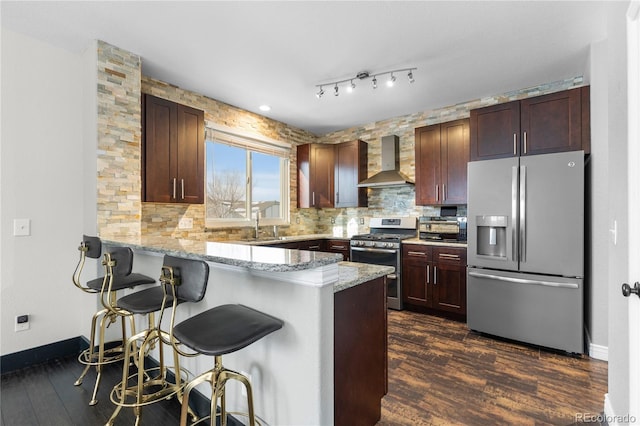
{"x":492,"y":235}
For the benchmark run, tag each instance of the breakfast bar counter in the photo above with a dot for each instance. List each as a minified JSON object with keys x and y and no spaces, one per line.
{"x":292,"y":370}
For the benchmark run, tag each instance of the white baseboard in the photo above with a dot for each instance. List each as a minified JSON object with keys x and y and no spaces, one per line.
{"x":599,"y":352}
{"x":596,"y":351}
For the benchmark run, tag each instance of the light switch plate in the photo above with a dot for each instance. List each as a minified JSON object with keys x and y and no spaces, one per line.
{"x":21,"y":227}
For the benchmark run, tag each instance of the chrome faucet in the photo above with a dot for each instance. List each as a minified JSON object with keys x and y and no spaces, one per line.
{"x":257,"y":224}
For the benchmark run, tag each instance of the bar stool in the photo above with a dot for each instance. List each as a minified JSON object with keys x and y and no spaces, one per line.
{"x":91,"y":247}
{"x":215,"y":332}
{"x":181,"y":281}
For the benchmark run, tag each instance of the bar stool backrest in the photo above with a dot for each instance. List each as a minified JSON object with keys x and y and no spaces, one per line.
{"x":123,"y":257}
{"x":193,"y":276}
{"x":93,"y":245}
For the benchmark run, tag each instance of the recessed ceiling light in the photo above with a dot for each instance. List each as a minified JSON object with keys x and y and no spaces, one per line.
{"x":265,"y":108}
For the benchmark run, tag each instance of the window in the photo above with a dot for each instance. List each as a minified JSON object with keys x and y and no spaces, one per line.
{"x":245,"y":177}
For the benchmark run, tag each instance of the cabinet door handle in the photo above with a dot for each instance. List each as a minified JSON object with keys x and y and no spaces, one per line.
{"x":182,"y":187}
{"x":437,"y":192}
{"x":428,"y":280}
{"x":525,"y":142}
{"x":449,"y":256}
{"x":416,"y":253}
{"x":435,"y":275}
{"x":174,"y":188}
{"x":313,"y":198}
{"x":314,"y":247}
{"x":444,"y":192}
{"x":337,"y":197}
{"x":338,"y":247}
{"x":515,"y":144}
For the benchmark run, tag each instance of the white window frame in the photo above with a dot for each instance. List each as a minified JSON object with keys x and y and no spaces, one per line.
{"x":252,"y":143}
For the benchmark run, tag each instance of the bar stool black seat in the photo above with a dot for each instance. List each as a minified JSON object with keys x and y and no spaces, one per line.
{"x":218,"y":331}
{"x":181,"y":281}
{"x":101,"y":353}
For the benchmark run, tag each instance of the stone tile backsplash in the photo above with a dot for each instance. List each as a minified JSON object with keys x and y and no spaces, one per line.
{"x":122,"y":212}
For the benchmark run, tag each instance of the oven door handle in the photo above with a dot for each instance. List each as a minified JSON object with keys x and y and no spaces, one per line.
{"x":392,"y":276}
{"x":374,"y":250}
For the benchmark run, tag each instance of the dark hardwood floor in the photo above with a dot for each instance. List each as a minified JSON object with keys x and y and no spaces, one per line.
{"x":440,"y":373}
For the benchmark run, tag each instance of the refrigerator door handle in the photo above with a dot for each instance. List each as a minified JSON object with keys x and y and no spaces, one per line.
{"x":522,"y":280}
{"x":523,"y":214}
{"x":514,"y":213}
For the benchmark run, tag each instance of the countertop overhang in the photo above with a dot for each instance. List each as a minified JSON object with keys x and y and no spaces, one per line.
{"x":242,"y":255}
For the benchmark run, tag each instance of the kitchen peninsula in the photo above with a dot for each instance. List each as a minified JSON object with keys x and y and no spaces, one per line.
{"x":327,"y":365}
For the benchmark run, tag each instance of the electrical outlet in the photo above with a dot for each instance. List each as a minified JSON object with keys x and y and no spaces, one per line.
{"x":361,"y":221}
{"x":185,"y":223}
{"x":21,"y":227}
{"x":22,"y":322}
{"x":333,"y":220}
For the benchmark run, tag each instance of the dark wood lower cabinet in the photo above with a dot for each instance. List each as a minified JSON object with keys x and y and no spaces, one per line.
{"x":360,"y":353}
{"x":339,"y":246}
{"x":435,"y":278}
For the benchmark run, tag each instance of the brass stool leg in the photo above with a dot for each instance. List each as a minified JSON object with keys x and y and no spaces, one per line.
{"x":230,"y":374}
{"x":125,"y":375}
{"x":91,"y":346}
{"x":103,"y":326}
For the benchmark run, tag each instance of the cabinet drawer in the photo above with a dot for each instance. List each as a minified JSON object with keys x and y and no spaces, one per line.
{"x":450,"y":255}
{"x":417,"y":252}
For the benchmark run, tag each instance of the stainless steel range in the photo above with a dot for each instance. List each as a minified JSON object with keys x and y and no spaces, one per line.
{"x":382,"y":247}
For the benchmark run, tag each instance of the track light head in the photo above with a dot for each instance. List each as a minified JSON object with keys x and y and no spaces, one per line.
{"x":374,"y":82}
{"x":410,"y":76}
{"x":320,"y":93}
{"x":391,"y":80}
{"x":351,"y":87}
{"x":335,"y":90}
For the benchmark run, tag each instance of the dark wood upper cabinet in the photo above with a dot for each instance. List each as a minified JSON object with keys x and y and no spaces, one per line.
{"x":442,"y":153}
{"x":543,"y":124}
{"x":350,"y":168}
{"x":315,"y":175}
{"x":493,"y":131}
{"x":173,"y":152}
{"x":328,"y":174}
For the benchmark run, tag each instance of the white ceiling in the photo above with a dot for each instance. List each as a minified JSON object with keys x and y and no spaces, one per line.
{"x":252,"y":53}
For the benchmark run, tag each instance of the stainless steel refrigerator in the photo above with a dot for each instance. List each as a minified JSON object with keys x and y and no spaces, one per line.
{"x":525,"y":250}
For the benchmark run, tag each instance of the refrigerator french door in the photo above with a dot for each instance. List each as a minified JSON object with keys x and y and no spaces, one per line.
{"x":526,"y":249}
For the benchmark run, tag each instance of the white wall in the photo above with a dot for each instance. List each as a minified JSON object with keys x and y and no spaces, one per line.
{"x":599,"y":264}
{"x":42,"y":171}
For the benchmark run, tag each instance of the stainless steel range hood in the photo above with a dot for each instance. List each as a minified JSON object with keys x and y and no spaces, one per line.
{"x":390,"y":174}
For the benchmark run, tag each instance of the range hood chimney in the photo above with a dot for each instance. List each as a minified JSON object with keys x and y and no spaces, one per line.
{"x":390,"y":174}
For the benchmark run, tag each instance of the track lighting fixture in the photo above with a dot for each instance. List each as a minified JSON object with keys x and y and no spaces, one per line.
{"x":363,"y":75}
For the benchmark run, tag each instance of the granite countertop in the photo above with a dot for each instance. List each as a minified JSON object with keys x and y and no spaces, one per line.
{"x":433,"y":243}
{"x":284,"y":239}
{"x":242,"y":255}
{"x":351,"y":274}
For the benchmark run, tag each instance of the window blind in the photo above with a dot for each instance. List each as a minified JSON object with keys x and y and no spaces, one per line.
{"x":252,"y":142}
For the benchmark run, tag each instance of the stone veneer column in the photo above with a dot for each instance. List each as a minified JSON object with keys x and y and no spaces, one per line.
{"x":119,"y":141}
